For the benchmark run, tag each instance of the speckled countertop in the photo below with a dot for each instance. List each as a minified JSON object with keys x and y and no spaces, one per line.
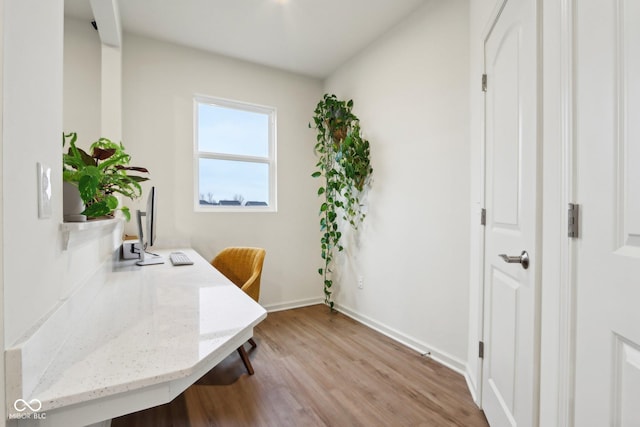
{"x":146,"y":326}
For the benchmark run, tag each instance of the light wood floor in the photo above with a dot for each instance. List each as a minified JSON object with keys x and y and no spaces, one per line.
{"x":316,"y":368}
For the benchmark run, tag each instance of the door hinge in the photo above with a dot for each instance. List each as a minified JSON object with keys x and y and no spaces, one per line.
{"x":573,"y":220}
{"x":483,"y":217}
{"x":484,"y":82}
{"x":481,"y":349}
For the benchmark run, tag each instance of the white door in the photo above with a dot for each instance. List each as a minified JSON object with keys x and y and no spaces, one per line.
{"x":510,"y":331}
{"x":607,"y":71}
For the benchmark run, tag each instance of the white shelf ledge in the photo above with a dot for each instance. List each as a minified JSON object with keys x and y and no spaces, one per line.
{"x":73,"y":232}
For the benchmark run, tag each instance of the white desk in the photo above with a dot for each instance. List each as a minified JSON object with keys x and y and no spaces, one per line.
{"x":148,"y":334}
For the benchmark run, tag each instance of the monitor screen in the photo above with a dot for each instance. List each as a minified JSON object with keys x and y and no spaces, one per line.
{"x":151,"y":217}
{"x":147,"y":234}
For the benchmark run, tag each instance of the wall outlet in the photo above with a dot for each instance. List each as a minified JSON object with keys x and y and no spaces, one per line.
{"x":131,"y":249}
{"x":44,"y":191}
{"x":360,"y":282}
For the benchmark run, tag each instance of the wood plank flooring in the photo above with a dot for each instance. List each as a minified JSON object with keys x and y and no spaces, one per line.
{"x":316,"y":368}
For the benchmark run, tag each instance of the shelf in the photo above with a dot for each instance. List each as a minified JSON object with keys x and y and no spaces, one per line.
{"x":83,"y":231}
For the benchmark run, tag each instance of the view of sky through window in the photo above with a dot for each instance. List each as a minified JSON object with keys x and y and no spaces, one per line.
{"x":230,"y":131}
{"x":226,"y":180}
{"x":233,"y":146}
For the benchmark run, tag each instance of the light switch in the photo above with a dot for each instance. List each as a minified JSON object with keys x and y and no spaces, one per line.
{"x":44,"y":191}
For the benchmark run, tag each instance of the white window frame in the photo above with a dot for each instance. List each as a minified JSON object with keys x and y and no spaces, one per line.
{"x":269,"y":160}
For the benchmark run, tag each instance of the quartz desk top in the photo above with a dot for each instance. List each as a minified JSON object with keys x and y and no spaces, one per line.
{"x":146,"y":326}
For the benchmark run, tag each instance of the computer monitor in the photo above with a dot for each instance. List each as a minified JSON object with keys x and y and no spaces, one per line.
{"x":150,"y":222}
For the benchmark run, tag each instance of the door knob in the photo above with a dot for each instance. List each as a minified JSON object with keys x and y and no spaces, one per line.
{"x":523,"y":259}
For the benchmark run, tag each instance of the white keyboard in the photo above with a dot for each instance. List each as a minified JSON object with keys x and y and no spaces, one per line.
{"x":180,"y":258}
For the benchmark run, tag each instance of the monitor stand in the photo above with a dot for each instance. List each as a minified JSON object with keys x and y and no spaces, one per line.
{"x":150,"y":260}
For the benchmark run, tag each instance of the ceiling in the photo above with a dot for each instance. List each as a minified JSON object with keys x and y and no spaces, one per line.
{"x":310,"y":37}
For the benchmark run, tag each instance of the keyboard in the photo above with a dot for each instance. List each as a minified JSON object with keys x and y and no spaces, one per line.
{"x":180,"y":258}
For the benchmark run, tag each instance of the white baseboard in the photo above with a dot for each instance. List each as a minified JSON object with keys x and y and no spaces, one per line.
{"x":472,"y":386}
{"x":293,"y":304}
{"x":422,"y":348}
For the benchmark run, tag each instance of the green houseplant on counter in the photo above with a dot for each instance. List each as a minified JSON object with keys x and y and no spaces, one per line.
{"x":344,"y":164}
{"x":101,"y":175}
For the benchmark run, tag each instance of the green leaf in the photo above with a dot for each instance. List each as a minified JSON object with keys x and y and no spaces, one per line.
{"x":111,"y":202}
{"x":96,"y":210}
{"x":126,"y":213}
{"x":316,"y":174}
{"x":137,"y":178}
{"x":88,"y":186}
{"x":321,"y":191}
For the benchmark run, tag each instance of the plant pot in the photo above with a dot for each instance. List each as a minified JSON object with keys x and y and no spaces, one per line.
{"x":338,"y":135}
{"x":72,"y":204}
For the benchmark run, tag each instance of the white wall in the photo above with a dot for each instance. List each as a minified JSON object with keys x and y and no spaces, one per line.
{"x":3,"y":409}
{"x":32,"y":117}
{"x":159,"y":82}
{"x":82,"y":72}
{"x":410,"y":90}
{"x":38,"y":272}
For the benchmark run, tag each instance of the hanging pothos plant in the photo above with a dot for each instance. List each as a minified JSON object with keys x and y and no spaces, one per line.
{"x":345,"y":166}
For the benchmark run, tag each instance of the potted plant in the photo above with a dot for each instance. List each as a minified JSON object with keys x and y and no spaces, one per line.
{"x":344,"y":164}
{"x":101,"y":175}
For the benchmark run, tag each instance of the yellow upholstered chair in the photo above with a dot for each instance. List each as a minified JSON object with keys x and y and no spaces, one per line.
{"x":243,"y":266}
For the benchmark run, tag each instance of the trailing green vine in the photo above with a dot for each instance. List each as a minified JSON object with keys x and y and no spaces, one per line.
{"x":345,"y":166}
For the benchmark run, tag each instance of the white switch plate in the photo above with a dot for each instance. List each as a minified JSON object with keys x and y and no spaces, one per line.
{"x":44,"y":191}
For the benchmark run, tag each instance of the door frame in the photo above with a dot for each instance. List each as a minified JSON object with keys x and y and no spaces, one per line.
{"x":558,"y":304}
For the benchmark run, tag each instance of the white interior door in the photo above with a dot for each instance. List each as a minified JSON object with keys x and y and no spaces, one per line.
{"x":510,"y":332}
{"x":607,"y":375}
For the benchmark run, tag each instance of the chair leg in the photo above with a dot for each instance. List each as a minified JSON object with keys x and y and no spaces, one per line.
{"x":253,"y":343}
{"x":245,"y":359}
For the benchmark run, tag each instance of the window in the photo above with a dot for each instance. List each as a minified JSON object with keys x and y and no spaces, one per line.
{"x":234,"y":160}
